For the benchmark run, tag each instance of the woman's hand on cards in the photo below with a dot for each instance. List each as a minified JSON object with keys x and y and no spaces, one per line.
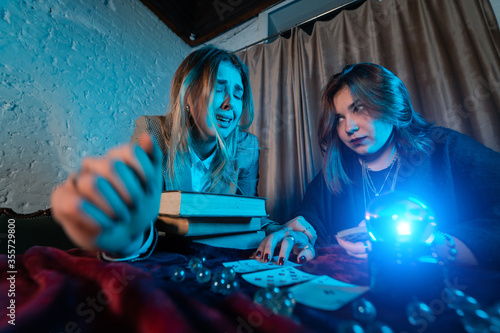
{"x":296,"y":236}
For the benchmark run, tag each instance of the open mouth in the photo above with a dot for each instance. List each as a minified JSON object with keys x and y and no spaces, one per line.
{"x":358,"y":141}
{"x":223,"y":121}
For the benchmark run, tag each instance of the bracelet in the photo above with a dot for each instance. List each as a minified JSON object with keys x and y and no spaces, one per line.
{"x":452,"y":251}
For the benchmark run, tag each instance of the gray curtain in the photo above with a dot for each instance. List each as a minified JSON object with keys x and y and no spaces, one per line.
{"x":446,"y":52}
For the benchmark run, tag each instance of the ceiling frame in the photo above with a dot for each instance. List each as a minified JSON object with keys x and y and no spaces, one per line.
{"x":198,"y":21}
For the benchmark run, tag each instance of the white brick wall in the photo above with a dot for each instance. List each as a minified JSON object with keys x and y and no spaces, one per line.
{"x":74,"y":76}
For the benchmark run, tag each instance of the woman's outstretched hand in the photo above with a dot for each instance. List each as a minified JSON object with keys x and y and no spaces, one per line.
{"x":113,"y":200}
{"x":296,"y":236}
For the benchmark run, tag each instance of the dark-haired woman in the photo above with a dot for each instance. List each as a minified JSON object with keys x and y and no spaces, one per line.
{"x":373,"y":142}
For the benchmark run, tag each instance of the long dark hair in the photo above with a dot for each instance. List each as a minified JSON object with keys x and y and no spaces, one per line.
{"x":386,"y":98}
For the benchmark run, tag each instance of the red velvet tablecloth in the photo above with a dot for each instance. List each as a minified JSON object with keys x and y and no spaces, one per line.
{"x":73,"y":291}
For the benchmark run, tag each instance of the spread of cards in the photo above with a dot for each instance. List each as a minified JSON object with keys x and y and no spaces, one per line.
{"x":320,"y":292}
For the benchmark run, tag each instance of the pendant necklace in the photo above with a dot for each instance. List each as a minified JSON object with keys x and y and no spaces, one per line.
{"x":369,"y":186}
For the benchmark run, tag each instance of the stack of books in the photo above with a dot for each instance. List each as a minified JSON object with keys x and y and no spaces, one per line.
{"x":222,"y":220}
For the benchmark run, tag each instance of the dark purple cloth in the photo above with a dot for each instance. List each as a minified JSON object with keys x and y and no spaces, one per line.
{"x":73,"y":291}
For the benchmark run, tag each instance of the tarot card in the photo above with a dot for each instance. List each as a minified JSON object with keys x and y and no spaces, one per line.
{"x":277,"y":277}
{"x":326,"y":293}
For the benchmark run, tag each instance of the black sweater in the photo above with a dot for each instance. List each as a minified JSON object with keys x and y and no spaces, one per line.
{"x":459,"y":180}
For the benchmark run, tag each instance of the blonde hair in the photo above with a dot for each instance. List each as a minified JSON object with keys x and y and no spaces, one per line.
{"x":195,"y":81}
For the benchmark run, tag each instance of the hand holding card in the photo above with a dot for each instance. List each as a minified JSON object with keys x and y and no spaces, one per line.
{"x":353,"y":235}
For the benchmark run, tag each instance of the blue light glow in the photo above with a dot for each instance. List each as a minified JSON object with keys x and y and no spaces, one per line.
{"x":430,"y":239}
{"x":418,"y":202}
{"x":400,"y":218}
{"x":428,"y":260}
{"x":482,"y":314}
{"x":404,"y":228}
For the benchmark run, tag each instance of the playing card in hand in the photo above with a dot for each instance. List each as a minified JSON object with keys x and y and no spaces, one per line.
{"x":354,"y":235}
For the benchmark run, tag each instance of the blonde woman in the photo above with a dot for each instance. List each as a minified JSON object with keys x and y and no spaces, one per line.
{"x":112,"y":202}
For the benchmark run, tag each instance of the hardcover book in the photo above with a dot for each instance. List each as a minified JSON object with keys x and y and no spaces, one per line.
{"x":189,"y":204}
{"x":200,"y":226}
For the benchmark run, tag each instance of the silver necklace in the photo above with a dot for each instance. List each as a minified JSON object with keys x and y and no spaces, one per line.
{"x":369,"y":186}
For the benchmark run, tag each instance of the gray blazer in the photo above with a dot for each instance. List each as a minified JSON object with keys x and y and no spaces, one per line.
{"x":246,"y":171}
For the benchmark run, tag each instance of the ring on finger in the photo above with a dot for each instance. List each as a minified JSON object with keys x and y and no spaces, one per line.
{"x":310,"y":248}
{"x":290,"y":237}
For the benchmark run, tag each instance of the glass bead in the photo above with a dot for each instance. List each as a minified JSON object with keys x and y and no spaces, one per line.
{"x":218,"y":285}
{"x":196,"y":267}
{"x":194,"y":260}
{"x":285,"y":294}
{"x":179,"y":274}
{"x":283,"y":301}
{"x":476,"y":322}
{"x":349,"y":326}
{"x":363,"y":310}
{"x":218,"y":275}
{"x":274,"y":291}
{"x":230,"y":287}
{"x":284,"y":306}
{"x":261,"y":295}
{"x":378,"y":327}
{"x":264,"y":297}
{"x":203,"y":275}
{"x":229,"y":273}
{"x":418,"y":311}
{"x":195,"y":264}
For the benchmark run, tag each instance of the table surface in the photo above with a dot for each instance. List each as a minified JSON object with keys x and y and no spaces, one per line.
{"x":72,"y":291}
